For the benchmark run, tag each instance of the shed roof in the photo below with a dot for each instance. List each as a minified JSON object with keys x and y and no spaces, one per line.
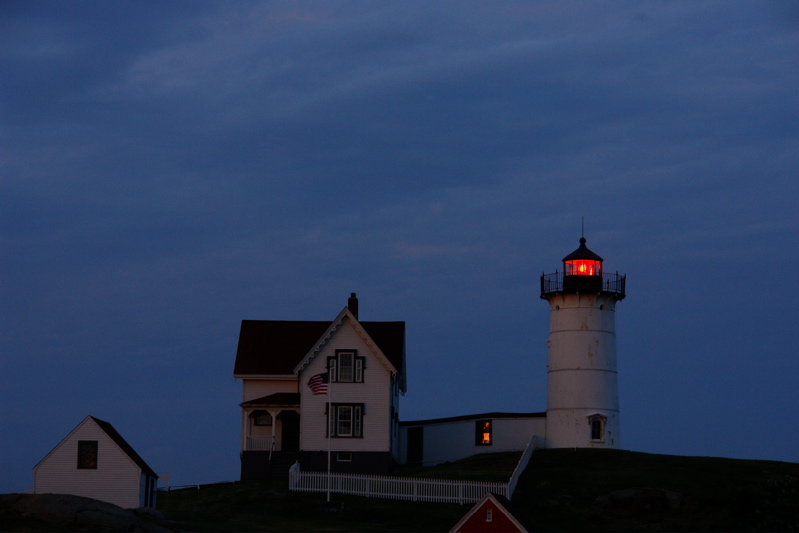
{"x":123,"y":444}
{"x":114,"y":435}
{"x":479,"y":416}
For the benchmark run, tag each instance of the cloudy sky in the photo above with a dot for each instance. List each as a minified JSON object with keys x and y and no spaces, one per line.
{"x":168,"y":169}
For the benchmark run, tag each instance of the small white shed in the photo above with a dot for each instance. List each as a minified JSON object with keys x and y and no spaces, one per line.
{"x":96,"y":462}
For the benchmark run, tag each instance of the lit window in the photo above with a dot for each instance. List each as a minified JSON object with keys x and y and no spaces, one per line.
{"x":482,"y":433}
{"x":346,"y":367}
{"x":583,"y":267}
{"x":87,"y":454}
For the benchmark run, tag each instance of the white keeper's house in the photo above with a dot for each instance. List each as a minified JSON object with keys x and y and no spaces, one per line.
{"x":352,"y":411}
{"x":318,"y":391}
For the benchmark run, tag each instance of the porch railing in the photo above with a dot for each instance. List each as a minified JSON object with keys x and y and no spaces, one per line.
{"x":261,"y":444}
{"x":395,"y":488}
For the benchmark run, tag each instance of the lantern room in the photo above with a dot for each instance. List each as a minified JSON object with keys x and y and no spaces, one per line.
{"x":582,"y":272}
{"x":582,"y":269}
{"x":582,"y":262}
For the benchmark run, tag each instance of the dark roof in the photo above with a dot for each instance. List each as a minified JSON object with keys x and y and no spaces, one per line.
{"x":471,"y":417}
{"x":122,"y":443}
{"x":279,"y":399}
{"x":276,"y":347}
{"x":582,"y":253}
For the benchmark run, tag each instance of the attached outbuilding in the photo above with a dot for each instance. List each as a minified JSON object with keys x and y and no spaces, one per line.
{"x":95,"y":461}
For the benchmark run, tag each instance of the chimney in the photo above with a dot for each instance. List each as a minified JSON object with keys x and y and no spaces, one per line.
{"x":352,"y":305}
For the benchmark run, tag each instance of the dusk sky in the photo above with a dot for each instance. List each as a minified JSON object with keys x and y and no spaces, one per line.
{"x":168,"y":169}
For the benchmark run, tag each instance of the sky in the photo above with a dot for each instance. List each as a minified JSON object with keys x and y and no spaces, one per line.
{"x":168,"y":169}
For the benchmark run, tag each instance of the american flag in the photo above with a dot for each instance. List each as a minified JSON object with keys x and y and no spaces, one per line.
{"x":318,"y":383}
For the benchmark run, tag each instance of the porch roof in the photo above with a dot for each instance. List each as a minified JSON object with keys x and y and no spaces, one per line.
{"x":279,"y":399}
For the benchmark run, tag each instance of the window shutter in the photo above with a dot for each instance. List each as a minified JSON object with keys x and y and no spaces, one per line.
{"x":331,"y":367}
{"x":359,"y":370}
{"x":356,"y":430}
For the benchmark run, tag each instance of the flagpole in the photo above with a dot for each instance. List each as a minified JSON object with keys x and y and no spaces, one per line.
{"x":329,"y":429}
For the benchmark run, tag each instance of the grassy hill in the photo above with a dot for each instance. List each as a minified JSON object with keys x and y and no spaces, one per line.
{"x":562,"y":490}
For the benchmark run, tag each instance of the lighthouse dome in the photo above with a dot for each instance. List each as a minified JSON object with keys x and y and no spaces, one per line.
{"x":582,"y":253}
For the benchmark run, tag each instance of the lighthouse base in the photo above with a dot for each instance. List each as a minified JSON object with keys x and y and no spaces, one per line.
{"x":582,"y":428}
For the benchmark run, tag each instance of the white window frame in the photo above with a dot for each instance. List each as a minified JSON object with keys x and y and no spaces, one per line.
{"x":355,"y":366}
{"x":599,"y":420}
{"x":346,"y":428}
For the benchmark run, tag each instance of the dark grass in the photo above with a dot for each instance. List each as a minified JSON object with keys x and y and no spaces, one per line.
{"x":269,"y":506}
{"x":484,"y":467}
{"x":557,"y":492}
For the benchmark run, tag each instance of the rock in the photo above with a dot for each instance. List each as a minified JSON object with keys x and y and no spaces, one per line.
{"x":87,"y":514}
{"x":642,"y":499}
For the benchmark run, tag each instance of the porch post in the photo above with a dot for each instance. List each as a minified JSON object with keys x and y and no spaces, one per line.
{"x":245,"y":428}
{"x":273,"y":414}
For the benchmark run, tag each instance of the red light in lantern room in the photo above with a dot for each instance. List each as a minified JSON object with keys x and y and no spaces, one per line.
{"x":583,"y":267}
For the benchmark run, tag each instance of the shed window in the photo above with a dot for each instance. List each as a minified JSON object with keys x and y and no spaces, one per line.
{"x":483,"y":433}
{"x":87,"y":454}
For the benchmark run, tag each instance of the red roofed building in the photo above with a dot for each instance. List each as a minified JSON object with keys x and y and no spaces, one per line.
{"x":494,"y":513}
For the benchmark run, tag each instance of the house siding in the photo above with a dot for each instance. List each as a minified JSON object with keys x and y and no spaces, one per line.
{"x":375,"y":393}
{"x":453,"y":440}
{"x":117,"y":479}
{"x":258,"y":388}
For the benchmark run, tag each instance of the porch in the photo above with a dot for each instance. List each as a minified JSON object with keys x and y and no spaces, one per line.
{"x":271,"y":424}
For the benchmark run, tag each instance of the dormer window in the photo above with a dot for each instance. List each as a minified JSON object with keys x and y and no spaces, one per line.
{"x":346,"y":367}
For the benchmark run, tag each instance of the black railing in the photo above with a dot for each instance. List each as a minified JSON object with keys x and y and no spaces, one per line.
{"x":557,"y":282}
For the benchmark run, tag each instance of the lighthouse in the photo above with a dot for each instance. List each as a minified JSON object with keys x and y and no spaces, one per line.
{"x":582,"y":384}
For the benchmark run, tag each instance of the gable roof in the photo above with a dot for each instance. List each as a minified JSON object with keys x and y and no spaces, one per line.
{"x":503,"y":505}
{"x":114,"y":435}
{"x":347,"y":317}
{"x":277,"y":347}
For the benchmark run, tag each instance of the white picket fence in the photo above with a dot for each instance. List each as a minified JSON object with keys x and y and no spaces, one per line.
{"x":395,"y":488}
{"x":407,"y":488}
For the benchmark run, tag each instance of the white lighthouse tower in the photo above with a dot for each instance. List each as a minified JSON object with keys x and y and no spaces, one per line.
{"x":582,"y":388}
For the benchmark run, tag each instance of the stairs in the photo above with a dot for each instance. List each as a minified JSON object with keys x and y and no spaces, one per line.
{"x":281,"y":463}
{"x":257,"y":465}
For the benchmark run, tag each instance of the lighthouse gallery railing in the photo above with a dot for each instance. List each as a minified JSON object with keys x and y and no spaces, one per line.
{"x":613,"y":283}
